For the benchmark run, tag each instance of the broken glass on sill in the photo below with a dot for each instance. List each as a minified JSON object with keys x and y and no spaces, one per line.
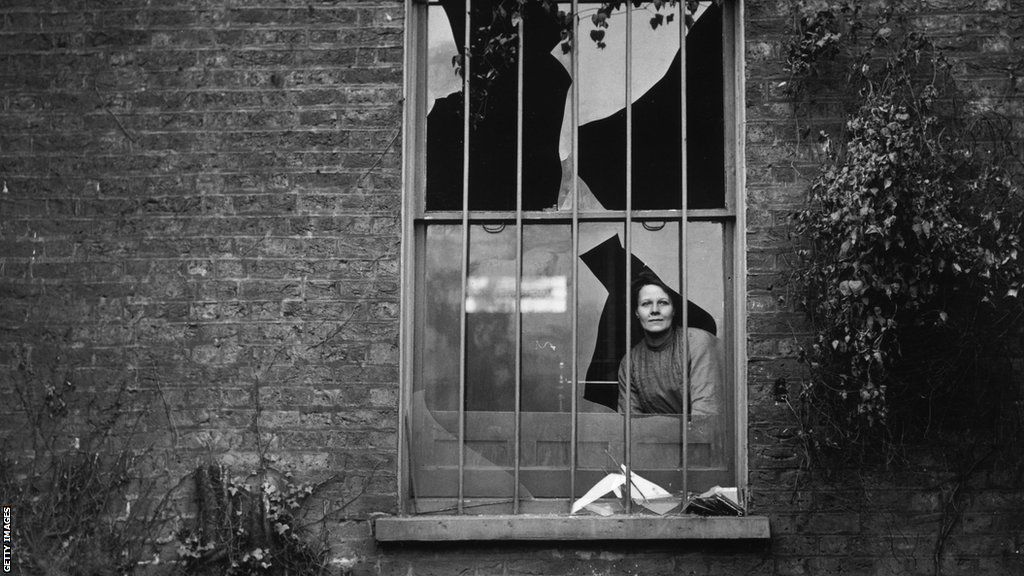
{"x":717,"y":501}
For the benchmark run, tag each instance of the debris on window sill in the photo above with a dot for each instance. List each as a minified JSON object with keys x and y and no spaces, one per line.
{"x":717,"y":501}
{"x":644,"y":493}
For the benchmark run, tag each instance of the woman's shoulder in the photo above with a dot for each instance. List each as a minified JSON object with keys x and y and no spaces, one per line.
{"x":700,"y":337}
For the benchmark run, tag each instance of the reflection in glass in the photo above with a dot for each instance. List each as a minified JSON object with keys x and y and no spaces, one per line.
{"x":711,"y":435}
{"x":546,"y":319}
{"x":490,"y":319}
{"x":434,"y":447}
{"x":547,"y":390}
{"x":438,"y":322}
{"x":490,"y":361}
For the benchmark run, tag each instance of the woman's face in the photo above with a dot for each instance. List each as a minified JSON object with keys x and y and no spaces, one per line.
{"x":654,"y":309}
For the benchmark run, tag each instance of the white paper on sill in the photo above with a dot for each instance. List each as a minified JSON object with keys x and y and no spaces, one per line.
{"x":648,"y":490}
{"x":645,"y":493}
{"x":610,"y":483}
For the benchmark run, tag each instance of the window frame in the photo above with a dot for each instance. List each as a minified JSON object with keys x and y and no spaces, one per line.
{"x":733,"y":215}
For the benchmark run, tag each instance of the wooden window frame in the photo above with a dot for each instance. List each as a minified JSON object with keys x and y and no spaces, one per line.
{"x":562,"y":526}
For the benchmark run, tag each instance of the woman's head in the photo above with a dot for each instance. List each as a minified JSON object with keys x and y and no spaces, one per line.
{"x":652,"y":304}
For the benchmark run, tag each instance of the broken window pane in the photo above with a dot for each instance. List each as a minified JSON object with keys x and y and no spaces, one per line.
{"x":464,"y":437}
{"x":547,"y":124}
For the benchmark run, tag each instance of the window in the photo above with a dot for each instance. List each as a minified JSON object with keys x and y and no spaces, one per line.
{"x":531,"y":208}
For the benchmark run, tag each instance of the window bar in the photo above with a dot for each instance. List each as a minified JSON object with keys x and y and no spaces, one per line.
{"x":628,"y":233}
{"x":574,"y":373}
{"x":465,"y":254}
{"x":519,"y":266}
{"x":685,"y":416}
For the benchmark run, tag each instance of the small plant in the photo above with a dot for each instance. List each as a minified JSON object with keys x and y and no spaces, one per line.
{"x":75,"y":516}
{"x":250,"y":526}
{"x":81,"y":499}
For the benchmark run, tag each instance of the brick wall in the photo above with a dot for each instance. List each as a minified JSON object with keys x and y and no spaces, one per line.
{"x":200,"y":204}
{"x":862,"y":521}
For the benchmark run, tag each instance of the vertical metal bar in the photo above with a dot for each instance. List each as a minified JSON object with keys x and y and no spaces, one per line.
{"x":466,"y":62}
{"x":519,"y":266}
{"x":684,"y":424}
{"x":628,"y":232}
{"x":575,"y":65}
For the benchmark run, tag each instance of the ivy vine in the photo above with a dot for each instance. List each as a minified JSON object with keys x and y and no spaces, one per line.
{"x":911,"y":261}
{"x":250,"y":526}
{"x":819,"y":37}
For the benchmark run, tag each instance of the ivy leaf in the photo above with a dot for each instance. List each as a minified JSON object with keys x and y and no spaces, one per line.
{"x":597,"y":35}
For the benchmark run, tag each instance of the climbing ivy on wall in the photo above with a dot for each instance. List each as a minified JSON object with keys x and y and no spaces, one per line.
{"x":910,"y":259}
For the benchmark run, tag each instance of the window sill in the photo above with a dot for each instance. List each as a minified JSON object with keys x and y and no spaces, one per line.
{"x":561,"y":527}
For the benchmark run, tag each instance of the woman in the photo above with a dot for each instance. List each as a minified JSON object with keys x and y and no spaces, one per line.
{"x":656,"y":363}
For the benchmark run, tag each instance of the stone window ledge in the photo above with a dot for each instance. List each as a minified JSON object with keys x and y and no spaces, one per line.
{"x":561,"y":527}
